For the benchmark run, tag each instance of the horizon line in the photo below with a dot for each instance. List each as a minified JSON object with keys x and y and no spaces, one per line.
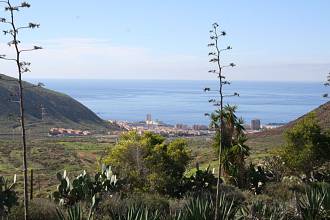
{"x":150,"y":79}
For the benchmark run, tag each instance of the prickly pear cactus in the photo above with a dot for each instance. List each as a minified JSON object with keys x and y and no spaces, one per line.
{"x":84,"y":188}
{"x":8,"y":196}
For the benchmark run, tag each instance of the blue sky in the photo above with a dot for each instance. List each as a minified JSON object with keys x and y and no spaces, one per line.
{"x":154,"y":39}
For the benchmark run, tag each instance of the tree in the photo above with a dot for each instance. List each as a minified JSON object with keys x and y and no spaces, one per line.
{"x":306,"y":146}
{"x":327,"y":83}
{"x":147,"y":163}
{"x":22,"y":67}
{"x":215,"y":54}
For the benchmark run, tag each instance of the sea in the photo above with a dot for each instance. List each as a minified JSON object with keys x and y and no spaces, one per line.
{"x":185,"y":102}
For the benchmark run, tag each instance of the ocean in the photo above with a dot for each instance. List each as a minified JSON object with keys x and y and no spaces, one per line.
{"x":185,"y":102}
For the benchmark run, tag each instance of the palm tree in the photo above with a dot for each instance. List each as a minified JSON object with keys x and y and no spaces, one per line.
{"x":234,"y":148}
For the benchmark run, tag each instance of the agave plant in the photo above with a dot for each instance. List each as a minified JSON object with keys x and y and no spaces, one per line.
{"x":315,"y":203}
{"x":202,"y":208}
{"x":136,"y":212}
{"x":73,"y":213}
{"x":261,"y":210}
{"x":198,"y":209}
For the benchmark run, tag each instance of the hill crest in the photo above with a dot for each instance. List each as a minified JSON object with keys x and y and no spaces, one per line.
{"x":44,"y":106}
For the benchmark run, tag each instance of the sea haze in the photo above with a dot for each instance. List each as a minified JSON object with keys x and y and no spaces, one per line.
{"x":185,"y":102}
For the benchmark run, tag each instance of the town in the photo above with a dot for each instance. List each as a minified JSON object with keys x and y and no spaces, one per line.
{"x":168,"y":130}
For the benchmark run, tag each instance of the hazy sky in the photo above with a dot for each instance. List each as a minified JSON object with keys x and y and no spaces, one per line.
{"x":167,"y":39}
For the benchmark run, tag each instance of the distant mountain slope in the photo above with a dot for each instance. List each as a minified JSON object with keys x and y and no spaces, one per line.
{"x":322,"y":113}
{"x":44,"y":106}
{"x":266,"y":140}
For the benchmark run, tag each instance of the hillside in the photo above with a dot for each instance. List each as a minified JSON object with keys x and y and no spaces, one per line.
{"x":262,"y":142}
{"x":43,"y":107}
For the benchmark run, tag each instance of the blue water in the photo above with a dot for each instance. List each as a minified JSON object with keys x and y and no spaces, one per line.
{"x":185,"y":102}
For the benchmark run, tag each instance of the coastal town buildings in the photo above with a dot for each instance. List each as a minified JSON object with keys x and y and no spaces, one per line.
{"x":255,"y":124}
{"x":67,"y":132}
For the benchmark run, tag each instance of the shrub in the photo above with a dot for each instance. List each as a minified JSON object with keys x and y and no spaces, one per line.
{"x":39,"y":209}
{"x":265,"y":210}
{"x":306,"y":146}
{"x":257,"y":177}
{"x":321,"y":173}
{"x":201,"y":181}
{"x":118,"y":205}
{"x":275,"y":167}
{"x":279,"y":191}
{"x":149,"y":164}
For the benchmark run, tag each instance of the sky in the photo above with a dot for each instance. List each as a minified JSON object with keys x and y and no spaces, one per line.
{"x":277,"y":40}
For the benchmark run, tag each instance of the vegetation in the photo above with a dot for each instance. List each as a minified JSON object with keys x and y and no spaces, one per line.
{"x":146,"y":162}
{"x":22,"y":67}
{"x":148,"y":176}
{"x":216,"y":52}
{"x":8,"y":196}
{"x":235,"y":151}
{"x":85,"y":189}
{"x":44,"y":109}
{"x":306,"y":146}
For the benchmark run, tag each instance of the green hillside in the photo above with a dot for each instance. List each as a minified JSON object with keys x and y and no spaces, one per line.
{"x":264,"y":142}
{"x":44,"y":108}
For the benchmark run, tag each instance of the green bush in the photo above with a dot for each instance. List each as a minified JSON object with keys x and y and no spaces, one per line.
{"x":306,"y":146}
{"x":148,"y":164}
{"x":201,"y":181}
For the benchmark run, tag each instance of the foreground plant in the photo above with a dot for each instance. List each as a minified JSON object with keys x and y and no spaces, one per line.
{"x":203,"y":207}
{"x":315,"y":204}
{"x":136,"y":212}
{"x":73,"y":213}
{"x":150,"y":164}
{"x":85,"y":189}
{"x":261,"y":210}
{"x":201,"y":181}
{"x":22,"y":67}
{"x":8,"y":196}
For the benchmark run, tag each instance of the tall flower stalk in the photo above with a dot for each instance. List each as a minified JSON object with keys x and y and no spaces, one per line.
{"x":215,"y":54}
{"x":13,"y":32}
{"x":327,"y":83}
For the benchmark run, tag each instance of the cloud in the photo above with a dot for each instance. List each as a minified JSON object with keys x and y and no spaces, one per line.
{"x":97,"y":58}
{"x":100,"y":58}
